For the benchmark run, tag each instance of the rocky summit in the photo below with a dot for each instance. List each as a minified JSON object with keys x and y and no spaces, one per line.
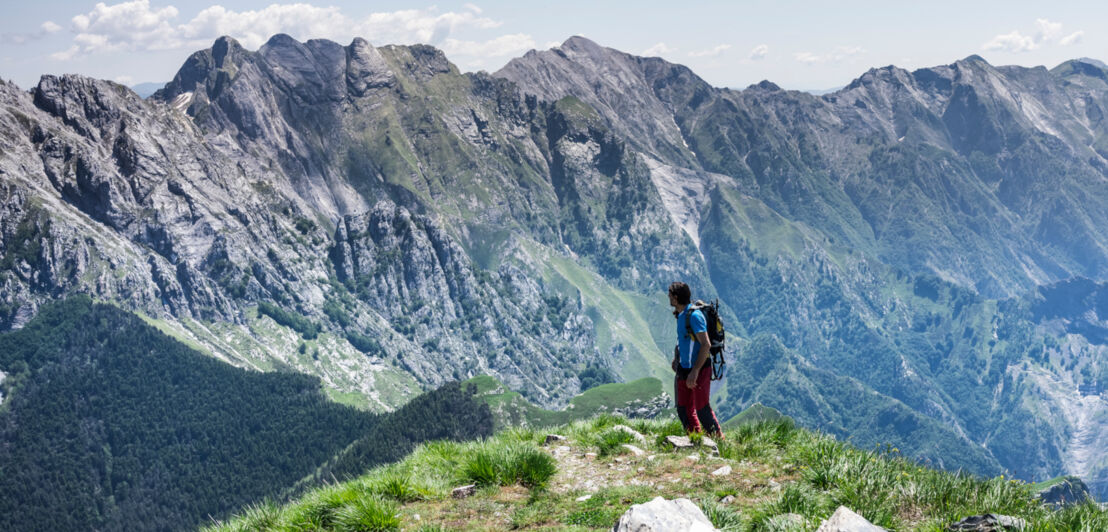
{"x":916,"y":259}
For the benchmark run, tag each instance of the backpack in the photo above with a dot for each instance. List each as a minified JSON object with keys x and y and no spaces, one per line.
{"x":715,"y":333}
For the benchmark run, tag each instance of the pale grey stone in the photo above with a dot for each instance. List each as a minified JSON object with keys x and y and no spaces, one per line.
{"x":661,"y":515}
{"x":634,"y":433}
{"x":845,"y":520}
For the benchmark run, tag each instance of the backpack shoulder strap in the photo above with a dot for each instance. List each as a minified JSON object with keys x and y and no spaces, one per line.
{"x":693,"y":307}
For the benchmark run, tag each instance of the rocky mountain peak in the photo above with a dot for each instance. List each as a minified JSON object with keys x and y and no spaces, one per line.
{"x":579,"y":44}
{"x":765,"y":85}
{"x":621,"y":87}
{"x":225,"y":48}
{"x":87,"y":105}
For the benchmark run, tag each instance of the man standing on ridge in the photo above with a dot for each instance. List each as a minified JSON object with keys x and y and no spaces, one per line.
{"x":693,"y":381}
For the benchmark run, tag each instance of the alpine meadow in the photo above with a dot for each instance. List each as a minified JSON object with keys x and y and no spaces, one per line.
{"x":272,"y":275}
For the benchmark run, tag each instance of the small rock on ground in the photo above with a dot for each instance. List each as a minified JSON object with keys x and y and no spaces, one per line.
{"x":634,"y":450}
{"x":551,"y":438}
{"x":722,"y":472}
{"x":634,"y":433}
{"x":988,"y":523}
{"x":462,"y":492}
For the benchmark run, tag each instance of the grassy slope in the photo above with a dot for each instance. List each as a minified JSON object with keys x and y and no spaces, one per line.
{"x":349,"y":377}
{"x":776,"y":469}
{"x":633,"y":320}
{"x":512,"y":409}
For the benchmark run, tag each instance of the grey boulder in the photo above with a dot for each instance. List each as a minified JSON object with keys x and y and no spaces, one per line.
{"x":845,"y":520}
{"x":660,"y":515}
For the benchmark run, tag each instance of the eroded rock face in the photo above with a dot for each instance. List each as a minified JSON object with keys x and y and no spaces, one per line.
{"x":274,"y":176}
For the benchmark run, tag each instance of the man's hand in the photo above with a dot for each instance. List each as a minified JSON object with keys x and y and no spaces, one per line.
{"x":691,"y":380}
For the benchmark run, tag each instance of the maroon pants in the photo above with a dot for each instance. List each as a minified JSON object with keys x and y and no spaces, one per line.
{"x":692,"y":405}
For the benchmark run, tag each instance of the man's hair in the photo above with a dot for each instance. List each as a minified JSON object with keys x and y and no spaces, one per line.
{"x":681,"y":292}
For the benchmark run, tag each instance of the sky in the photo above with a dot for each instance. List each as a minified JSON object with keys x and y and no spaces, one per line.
{"x":802,"y":45}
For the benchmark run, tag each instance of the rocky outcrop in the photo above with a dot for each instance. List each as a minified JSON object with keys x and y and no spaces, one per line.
{"x":1067,"y":491}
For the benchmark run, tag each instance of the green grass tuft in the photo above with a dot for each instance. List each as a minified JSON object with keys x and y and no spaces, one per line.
{"x":368,"y":514}
{"x":611,"y":441}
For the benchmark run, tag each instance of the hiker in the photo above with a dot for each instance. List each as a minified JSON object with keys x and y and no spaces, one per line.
{"x":691,"y":361}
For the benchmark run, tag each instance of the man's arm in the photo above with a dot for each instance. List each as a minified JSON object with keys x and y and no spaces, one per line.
{"x":705,"y":354}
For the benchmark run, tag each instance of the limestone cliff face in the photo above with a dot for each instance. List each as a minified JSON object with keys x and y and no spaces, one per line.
{"x":376,"y":192}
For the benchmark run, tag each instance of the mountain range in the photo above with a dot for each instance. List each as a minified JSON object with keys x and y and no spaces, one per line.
{"x":917,"y":258}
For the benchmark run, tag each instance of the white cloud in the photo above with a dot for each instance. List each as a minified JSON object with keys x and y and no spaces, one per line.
{"x":711,"y":52}
{"x":807,"y":58}
{"x":658,"y":50}
{"x":67,"y":54}
{"x":1011,"y":42}
{"x":504,"y":45}
{"x":1046,"y":33}
{"x":124,"y":26}
{"x":1072,"y":38}
{"x":838,"y":54}
{"x":45,"y":29}
{"x":759,"y":52}
{"x":253,"y":28}
{"x":136,"y":25}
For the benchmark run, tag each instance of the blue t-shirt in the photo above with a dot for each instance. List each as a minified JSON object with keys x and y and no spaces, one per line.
{"x":688,"y":347}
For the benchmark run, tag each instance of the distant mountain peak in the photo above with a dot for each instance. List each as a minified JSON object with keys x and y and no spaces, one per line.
{"x":1095,"y":62}
{"x":580,"y":43}
{"x":765,"y":85}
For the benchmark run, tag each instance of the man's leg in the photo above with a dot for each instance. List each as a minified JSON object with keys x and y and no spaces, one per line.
{"x":699,"y":407}
{"x":694,"y":421}
{"x":708,"y":417}
{"x":682,"y":414}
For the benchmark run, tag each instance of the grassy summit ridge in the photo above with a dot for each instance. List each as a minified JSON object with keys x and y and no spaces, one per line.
{"x":589,"y":480}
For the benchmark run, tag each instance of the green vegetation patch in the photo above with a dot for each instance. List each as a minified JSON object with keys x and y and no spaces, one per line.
{"x":307,"y":328}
